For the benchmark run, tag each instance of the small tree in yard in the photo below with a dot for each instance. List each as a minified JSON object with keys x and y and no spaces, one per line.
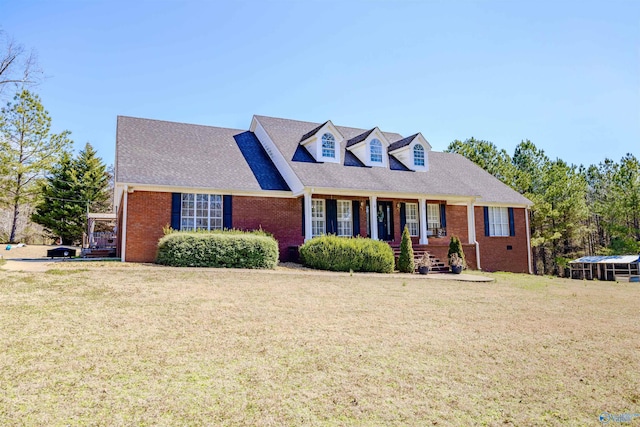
{"x":405,"y":261}
{"x":455,"y":247}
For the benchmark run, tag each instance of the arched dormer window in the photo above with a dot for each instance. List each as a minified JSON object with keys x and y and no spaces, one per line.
{"x":376,"y":151}
{"x":418,"y":155}
{"x":328,"y":146}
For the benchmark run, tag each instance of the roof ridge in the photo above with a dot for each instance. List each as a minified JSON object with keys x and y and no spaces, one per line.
{"x":179,"y":123}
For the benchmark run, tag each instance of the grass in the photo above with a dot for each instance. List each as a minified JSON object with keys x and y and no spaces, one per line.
{"x":115,"y":344}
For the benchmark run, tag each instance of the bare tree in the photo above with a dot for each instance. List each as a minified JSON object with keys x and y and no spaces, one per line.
{"x":17,"y":65}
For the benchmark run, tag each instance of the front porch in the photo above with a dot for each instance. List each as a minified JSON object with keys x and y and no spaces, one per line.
{"x":431,"y":222}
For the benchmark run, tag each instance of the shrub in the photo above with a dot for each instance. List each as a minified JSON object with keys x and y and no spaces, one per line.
{"x":347,"y":254}
{"x":455,"y":247}
{"x":230,"y":249}
{"x":405,"y":260}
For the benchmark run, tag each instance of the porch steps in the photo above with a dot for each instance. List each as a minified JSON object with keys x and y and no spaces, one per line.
{"x":437,"y":266}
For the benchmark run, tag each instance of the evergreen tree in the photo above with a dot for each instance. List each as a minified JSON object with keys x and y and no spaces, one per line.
{"x":405,"y":260}
{"x":455,"y":247}
{"x":27,"y":151}
{"x":74,"y":188}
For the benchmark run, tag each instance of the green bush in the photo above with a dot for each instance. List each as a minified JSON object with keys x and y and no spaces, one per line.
{"x":230,"y":249}
{"x":405,"y":260}
{"x":347,"y":254}
{"x":455,"y":247}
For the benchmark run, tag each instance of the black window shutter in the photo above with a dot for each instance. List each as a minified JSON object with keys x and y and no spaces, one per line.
{"x":512,"y":225}
{"x":332,"y":216}
{"x":443,"y":216}
{"x":227,"y":209}
{"x":486,"y":221}
{"x":355,"y":212}
{"x":403,"y":216}
{"x":176,"y":207}
{"x":302,"y":199}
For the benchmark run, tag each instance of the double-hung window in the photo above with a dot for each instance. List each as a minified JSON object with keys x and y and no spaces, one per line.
{"x":345,"y":219}
{"x":498,"y":221}
{"x":201,"y":212}
{"x":317,"y":217}
{"x":418,"y":155}
{"x":328,"y":146}
{"x":433,"y":218}
{"x":376,"y":151}
{"x":411,"y":218}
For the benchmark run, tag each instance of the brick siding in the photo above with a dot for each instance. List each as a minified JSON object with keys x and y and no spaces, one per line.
{"x":494,"y":254}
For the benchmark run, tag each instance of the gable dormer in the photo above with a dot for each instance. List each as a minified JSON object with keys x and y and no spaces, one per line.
{"x":323,"y":143}
{"x":370,"y":148}
{"x":413,"y":152}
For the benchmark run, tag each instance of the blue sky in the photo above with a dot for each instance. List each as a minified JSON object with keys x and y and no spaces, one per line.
{"x":564,"y":74}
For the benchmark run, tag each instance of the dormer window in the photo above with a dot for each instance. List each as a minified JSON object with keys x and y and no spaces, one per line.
{"x":376,"y":151}
{"x":418,"y":155}
{"x":328,"y":146}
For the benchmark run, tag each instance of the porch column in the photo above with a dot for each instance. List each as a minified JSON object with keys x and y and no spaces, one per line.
{"x":423,"y":222}
{"x":307,"y":216}
{"x":373,"y":216}
{"x":471,"y":222}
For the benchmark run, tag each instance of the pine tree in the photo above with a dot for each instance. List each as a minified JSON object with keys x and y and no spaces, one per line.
{"x":27,"y":151}
{"x":405,"y":261}
{"x":73,"y":188}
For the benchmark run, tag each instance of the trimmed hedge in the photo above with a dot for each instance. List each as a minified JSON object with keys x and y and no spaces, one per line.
{"x":232,"y":249}
{"x":347,"y":254}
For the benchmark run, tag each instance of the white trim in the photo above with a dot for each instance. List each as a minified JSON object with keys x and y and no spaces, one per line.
{"x":529,"y":260}
{"x":502,"y":205}
{"x":123,"y":244}
{"x":373,"y":217}
{"x":202,"y":190}
{"x":424,"y":240}
{"x":451,"y":199}
{"x":471,"y":223}
{"x":308,"y":229}
{"x":276,"y":156}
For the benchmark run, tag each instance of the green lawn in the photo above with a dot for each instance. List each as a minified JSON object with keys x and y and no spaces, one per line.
{"x":125,"y":344}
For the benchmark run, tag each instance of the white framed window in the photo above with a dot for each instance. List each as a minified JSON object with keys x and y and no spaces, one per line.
{"x":498,"y":221}
{"x":328,"y":146}
{"x":345,"y":218}
{"x":317,"y":217}
{"x":411,"y":219}
{"x":201,"y":212}
{"x":418,"y":155}
{"x":433,"y":217}
{"x":376,"y":150}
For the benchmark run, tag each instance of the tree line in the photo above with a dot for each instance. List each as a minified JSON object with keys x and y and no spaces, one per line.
{"x":40,"y":179}
{"x":577,"y":210}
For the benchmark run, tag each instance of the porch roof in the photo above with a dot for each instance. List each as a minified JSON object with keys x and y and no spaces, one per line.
{"x":610,"y":259}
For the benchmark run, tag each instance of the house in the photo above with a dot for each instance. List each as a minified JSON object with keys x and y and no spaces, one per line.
{"x":298,"y":180}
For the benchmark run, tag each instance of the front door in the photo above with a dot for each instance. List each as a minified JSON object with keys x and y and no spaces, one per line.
{"x":385,"y":221}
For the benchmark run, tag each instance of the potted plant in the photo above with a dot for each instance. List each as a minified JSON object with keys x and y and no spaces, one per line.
{"x":456,"y":263}
{"x":424,"y":263}
{"x":456,"y":255}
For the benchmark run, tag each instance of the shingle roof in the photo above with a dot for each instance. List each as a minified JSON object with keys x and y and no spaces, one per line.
{"x":449,"y":174}
{"x":312,"y":131}
{"x":402,"y":143}
{"x":156,"y":152}
{"x":359,"y":138}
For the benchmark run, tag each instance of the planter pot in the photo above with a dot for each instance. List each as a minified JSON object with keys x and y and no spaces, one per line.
{"x":456,"y":269}
{"x":423,"y":270}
